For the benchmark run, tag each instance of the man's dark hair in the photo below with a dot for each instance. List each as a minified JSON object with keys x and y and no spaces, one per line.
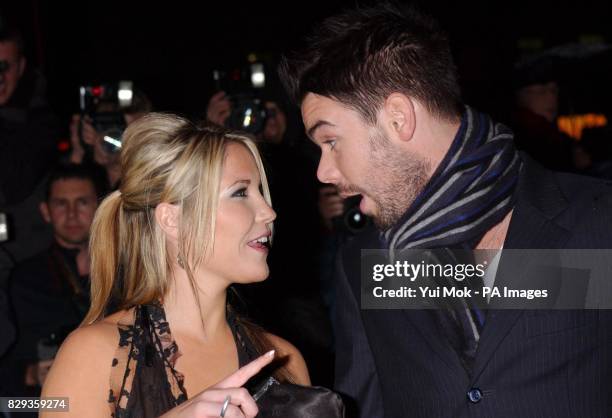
{"x":10,"y":33}
{"x":362,"y":56}
{"x":75,"y":171}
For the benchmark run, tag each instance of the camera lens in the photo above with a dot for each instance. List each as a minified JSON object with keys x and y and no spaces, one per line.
{"x":354,"y":220}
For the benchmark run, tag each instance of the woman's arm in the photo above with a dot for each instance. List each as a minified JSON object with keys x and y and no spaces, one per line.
{"x":81,"y":372}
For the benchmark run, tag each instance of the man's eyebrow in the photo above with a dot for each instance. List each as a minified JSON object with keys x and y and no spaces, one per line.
{"x":316,"y":126}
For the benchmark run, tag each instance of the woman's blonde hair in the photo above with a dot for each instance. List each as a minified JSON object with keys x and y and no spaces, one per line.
{"x":164,"y":158}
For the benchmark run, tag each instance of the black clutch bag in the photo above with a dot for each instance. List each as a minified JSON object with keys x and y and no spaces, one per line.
{"x":286,"y":400}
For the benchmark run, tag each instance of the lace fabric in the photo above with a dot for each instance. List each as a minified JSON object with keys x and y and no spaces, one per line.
{"x":144,"y":382}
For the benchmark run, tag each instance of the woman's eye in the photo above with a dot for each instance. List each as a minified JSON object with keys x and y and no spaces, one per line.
{"x":240,"y":192}
{"x":331,"y":143}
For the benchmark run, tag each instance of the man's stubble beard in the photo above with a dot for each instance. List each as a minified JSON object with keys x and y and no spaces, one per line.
{"x":398,"y":178}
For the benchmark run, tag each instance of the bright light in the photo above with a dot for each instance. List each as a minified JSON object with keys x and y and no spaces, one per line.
{"x":125,"y":95}
{"x":247,"y":118}
{"x":112,"y":141}
{"x":258,"y":77}
{"x":574,"y":125}
{"x":3,"y":229}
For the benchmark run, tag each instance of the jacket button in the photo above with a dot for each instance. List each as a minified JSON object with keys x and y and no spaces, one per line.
{"x":474,"y":395}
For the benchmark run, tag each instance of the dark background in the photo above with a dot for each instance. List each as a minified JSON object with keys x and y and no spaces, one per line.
{"x":170,"y":48}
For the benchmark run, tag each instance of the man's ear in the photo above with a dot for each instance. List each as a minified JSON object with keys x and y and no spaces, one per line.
{"x":399,"y":116}
{"x":44,"y":211}
{"x":167,"y":217}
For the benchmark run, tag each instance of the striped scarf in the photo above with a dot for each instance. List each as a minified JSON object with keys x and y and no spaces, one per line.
{"x":471,"y":191}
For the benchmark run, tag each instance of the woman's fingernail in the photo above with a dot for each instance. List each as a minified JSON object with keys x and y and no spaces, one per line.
{"x":271,"y":353}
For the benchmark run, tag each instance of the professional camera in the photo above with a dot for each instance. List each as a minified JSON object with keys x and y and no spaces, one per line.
{"x":244,"y":86}
{"x":103,"y":104}
{"x":352,"y":219}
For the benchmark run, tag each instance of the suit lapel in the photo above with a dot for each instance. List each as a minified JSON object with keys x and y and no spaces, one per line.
{"x":532,"y":227}
{"x":426,"y":325}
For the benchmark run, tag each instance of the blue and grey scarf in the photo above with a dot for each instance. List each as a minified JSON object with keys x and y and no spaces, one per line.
{"x":471,"y":191}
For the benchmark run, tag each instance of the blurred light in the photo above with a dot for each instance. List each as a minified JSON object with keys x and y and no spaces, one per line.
{"x":125,"y":93}
{"x":96,"y":91}
{"x":63,"y":145}
{"x":247,"y":118}
{"x":112,"y":141}
{"x":258,"y":77}
{"x":573,"y":125}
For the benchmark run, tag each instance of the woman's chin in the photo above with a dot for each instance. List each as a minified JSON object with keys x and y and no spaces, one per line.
{"x":254,"y":276}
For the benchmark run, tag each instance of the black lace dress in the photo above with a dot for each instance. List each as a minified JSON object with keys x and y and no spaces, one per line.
{"x":144,"y":383}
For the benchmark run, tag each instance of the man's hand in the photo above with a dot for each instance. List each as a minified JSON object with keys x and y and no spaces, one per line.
{"x":331,"y":205}
{"x":219,"y":108}
{"x":90,"y":136}
{"x":77,"y":153}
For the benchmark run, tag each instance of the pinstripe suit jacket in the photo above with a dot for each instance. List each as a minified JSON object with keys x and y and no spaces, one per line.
{"x":529,"y":364}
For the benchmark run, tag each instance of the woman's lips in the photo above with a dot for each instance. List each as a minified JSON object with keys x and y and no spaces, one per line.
{"x":258,"y":246}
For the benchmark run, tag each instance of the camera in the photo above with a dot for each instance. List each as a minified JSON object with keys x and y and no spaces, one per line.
{"x":352,"y":220}
{"x":244,"y":86}
{"x":104,"y":103}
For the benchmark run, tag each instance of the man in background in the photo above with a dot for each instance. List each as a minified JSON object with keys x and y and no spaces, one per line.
{"x":50,"y":291}
{"x":28,"y":134}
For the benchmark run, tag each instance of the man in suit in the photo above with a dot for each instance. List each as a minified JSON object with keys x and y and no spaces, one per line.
{"x":379,"y":94}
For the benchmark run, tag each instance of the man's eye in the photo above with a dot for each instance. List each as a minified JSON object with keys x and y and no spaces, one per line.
{"x":331,"y":143}
{"x":240,"y":193}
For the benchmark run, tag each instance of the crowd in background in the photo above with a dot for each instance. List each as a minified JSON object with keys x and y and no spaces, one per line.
{"x":48,"y":197}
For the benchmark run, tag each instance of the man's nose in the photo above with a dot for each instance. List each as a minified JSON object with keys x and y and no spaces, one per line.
{"x":73,"y":211}
{"x":327,"y":172}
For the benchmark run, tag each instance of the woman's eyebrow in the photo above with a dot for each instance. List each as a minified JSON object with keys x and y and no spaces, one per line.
{"x":247,"y":181}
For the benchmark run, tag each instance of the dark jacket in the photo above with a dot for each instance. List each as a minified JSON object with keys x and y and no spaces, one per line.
{"x":49,"y":300}
{"x":528,"y":364}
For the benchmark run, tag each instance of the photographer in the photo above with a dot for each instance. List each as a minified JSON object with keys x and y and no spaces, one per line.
{"x":50,"y":291}
{"x":28,"y":133}
{"x":88,"y":145}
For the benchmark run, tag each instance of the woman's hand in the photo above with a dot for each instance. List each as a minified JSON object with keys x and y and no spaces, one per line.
{"x":210,"y":402}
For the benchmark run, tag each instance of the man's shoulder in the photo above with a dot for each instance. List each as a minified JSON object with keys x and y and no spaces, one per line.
{"x":590,"y":188}
{"x":580,"y":205}
{"x":554,"y":192}
{"x":31,"y":267}
{"x":585,"y":196}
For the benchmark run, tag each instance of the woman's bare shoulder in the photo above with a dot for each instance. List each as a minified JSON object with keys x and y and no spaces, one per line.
{"x":81,"y":370}
{"x":296,"y":365}
{"x":93,"y":342}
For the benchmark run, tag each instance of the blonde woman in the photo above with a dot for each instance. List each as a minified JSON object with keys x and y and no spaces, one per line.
{"x":192,"y":216}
